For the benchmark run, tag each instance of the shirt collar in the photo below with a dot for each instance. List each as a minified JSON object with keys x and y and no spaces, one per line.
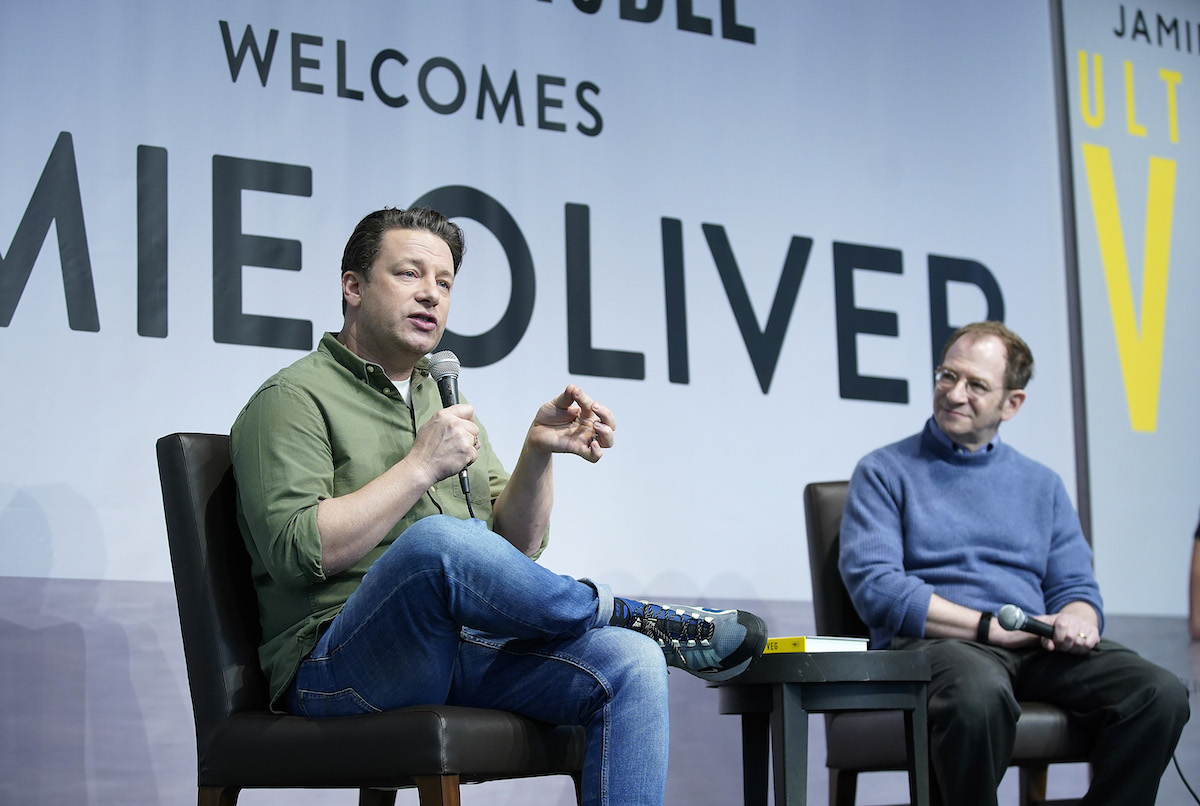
{"x":941,"y":437}
{"x":369,"y":372}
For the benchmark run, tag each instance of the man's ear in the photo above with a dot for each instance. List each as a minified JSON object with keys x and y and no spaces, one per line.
{"x":1012,"y":403}
{"x":352,"y":288}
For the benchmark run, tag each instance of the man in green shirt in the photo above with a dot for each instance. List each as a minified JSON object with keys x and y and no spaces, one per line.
{"x":381,"y":586}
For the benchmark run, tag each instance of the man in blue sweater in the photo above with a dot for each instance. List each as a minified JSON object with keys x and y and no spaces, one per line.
{"x":942,"y":529}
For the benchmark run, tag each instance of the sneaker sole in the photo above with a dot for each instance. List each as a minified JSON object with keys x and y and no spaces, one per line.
{"x":750,"y":650}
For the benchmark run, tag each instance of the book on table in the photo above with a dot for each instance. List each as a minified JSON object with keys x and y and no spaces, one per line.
{"x":814,"y":643}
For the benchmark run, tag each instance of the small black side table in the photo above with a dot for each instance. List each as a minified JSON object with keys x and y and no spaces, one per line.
{"x":780,"y":690}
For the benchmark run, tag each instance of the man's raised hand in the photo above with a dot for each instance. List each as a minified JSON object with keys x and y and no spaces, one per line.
{"x":573,"y":423}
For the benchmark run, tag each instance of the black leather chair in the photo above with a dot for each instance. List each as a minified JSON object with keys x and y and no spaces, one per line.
{"x":874,"y":741}
{"x":241,"y":744}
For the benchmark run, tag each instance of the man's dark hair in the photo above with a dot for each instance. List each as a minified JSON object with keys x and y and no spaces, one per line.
{"x":1018,"y":365}
{"x":363,"y":246}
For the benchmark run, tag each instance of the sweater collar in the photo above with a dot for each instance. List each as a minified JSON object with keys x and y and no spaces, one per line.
{"x":958,"y":450}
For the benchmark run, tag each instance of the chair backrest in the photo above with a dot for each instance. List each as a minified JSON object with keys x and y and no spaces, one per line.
{"x":834,"y":612}
{"x":218,"y":609}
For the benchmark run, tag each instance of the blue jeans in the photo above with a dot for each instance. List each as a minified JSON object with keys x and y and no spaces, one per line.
{"x":452,"y":613}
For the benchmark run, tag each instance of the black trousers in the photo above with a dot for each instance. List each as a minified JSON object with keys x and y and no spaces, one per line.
{"x":1136,"y":708}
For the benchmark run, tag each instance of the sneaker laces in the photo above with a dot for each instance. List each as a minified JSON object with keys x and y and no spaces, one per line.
{"x":681,"y":628}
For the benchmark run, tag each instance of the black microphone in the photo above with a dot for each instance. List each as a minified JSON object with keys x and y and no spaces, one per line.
{"x":1012,"y":617}
{"x":443,"y":368}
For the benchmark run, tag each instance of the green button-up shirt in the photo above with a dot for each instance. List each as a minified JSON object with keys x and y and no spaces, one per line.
{"x":321,"y":428}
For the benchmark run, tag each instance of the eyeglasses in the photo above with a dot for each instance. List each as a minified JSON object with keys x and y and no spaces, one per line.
{"x":948,"y":379}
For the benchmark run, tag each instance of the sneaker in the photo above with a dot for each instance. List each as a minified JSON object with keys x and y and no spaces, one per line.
{"x":712,"y":644}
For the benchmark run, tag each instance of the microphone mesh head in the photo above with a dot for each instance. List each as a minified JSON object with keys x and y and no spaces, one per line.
{"x":1010,"y":617}
{"x":443,"y":364}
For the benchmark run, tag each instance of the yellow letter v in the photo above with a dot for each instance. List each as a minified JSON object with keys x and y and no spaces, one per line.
{"x":1140,"y":354}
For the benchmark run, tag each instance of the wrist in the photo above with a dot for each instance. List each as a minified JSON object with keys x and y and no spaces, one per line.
{"x":536,"y":442}
{"x":985,"y":626}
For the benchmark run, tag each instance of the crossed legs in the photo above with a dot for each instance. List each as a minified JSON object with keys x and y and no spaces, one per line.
{"x":451,"y":613}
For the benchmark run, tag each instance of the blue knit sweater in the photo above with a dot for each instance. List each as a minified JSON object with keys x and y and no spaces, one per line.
{"x":981,"y":530}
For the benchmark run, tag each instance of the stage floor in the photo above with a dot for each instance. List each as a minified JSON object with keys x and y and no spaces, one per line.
{"x":94,"y":695}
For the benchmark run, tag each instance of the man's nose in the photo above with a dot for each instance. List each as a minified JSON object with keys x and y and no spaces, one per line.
{"x":428,"y":291}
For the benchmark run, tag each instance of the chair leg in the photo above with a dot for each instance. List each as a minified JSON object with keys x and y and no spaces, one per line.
{"x":437,"y":790}
{"x":376,"y":797}
{"x":1032,"y":784}
{"x":843,"y":787}
{"x":217,"y":796}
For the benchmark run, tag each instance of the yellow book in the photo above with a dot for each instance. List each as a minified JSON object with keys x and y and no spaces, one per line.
{"x":814,"y":643}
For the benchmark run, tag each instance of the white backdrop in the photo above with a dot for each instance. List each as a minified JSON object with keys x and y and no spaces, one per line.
{"x":914,"y":130}
{"x":1139,"y":286}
